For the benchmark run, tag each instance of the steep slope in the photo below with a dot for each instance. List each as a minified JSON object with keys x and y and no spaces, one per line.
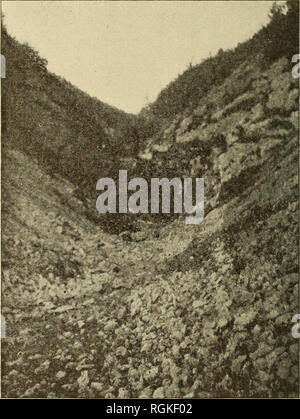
{"x":69,"y":132}
{"x":244,"y":257}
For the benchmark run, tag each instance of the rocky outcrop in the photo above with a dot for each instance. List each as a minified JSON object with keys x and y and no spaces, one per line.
{"x":237,"y":279}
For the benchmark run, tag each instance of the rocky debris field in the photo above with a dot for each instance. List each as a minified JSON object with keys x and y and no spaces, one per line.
{"x":89,"y":315}
{"x":186,"y":311}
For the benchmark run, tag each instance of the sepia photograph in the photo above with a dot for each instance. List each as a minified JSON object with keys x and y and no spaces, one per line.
{"x":150,"y":202}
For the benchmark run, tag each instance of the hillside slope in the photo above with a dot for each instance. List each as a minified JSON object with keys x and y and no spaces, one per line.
{"x":278,"y":39}
{"x":69,"y":132}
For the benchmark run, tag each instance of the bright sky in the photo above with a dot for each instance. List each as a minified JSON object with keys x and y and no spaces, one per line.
{"x":125,"y":52}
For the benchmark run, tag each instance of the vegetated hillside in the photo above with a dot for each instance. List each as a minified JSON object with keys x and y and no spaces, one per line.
{"x":71,"y":133}
{"x":181,"y":310}
{"x":279,"y":38}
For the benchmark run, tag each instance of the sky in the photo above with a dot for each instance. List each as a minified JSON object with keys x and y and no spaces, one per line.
{"x":125,"y":52}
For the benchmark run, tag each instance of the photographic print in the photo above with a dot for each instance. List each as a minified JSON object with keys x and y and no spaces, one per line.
{"x":149,"y":204}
